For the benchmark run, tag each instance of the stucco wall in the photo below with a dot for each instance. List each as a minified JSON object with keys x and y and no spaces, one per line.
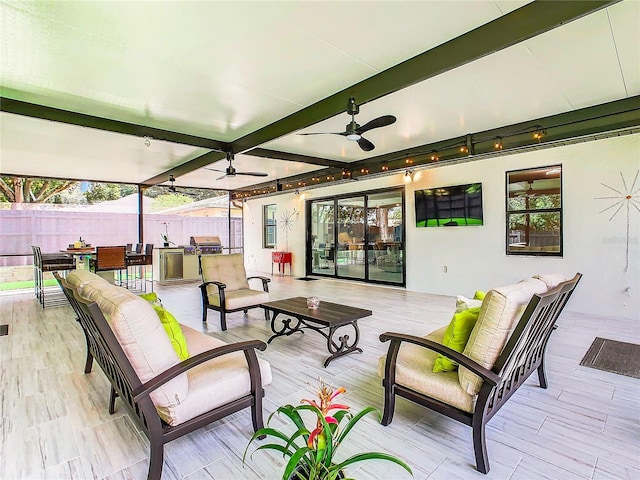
{"x":594,"y":244}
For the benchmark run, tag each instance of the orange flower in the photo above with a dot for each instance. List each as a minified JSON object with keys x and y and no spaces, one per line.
{"x":326,"y":394}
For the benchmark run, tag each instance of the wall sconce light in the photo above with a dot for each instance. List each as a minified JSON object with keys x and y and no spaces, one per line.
{"x":498,"y":143}
{"x":297,"y":192}
{"x":408,"y":176}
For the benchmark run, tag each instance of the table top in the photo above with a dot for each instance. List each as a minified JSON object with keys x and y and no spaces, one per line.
{"x":79,"y":250}
{"x":328,"y":314}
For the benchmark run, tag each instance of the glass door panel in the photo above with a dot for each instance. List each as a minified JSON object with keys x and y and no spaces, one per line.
{"x":385,"y":245}
{"x":350,"y":253}
{"x":322,"y":238}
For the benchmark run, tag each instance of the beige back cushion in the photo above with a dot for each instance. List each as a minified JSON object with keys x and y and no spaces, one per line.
{"x":501,"y":309}
{"x":228,"y":269}
{"x":76,"y":278}
{"x":143,"y":338}
{"x":551,"y":280}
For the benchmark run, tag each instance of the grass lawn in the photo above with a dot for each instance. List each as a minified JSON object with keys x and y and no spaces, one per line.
{"x":51,"y":282}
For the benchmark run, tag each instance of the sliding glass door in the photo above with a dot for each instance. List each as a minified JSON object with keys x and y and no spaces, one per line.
{"x":385,"y":240}
{"x":351,"y":254}
{"x":320,"y":246}
{"x":358,"y":237}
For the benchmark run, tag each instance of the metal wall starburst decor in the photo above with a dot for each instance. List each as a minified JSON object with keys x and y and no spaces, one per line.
{"x":286,"y":223}
{"x":627,"y":199}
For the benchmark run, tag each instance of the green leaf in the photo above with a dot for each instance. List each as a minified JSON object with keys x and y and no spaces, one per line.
{"x":373,"y":456}
{"x":269,"y":432}
{"x":294,"y":461}
{"x":353,"y":421}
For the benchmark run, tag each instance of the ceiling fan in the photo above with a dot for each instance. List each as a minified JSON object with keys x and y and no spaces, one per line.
{"x":230,"y":171}
{"x":354,"y":132}
{"x":172,"y":188}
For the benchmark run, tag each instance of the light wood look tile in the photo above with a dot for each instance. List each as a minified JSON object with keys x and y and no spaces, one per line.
{"x":55,"y":423}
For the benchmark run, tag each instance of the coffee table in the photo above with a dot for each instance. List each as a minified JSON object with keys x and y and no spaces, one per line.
{"x":331,"y":316}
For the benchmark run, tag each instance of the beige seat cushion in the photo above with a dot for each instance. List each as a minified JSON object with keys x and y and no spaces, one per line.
{"x":212,"y":383}
{"x":228,"y":269}
{"x":141,"y":335}
{"x":414,"y":370}
{"x":239,"y":298}
{"x":501,"y":309}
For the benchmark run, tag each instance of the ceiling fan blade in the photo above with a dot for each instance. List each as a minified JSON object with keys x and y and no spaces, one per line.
{"x":377,"y":123}
{"x":221,"y":177}
{"x":365,"y":144}
{"x":253,"y":174}
{"x":325,"y":133}
{"x":214,"y":169}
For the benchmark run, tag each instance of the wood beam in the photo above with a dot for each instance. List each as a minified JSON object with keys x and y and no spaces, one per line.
{"x":42,"y":112}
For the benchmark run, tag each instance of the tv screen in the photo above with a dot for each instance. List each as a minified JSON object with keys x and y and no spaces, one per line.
{"x":455,"y":206}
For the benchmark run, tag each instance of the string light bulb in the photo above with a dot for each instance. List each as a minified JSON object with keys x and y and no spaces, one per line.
{"x":498,"y":144}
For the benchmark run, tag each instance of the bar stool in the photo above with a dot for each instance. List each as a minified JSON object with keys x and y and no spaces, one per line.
{"x":45,"y":263}
{"x":137,"y":263}
{"x":111,"y":258}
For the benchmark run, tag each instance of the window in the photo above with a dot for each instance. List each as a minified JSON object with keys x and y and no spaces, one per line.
{"x":269,"y":236}
{"x":534,"y":211}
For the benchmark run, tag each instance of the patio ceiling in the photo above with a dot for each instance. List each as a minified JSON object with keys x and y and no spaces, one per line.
{"x":83,"y":83}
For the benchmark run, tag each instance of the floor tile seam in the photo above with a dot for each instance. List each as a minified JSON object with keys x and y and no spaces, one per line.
{"x":544,"y":460}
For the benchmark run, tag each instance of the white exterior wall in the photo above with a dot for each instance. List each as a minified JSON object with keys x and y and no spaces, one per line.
{"x":475,"y":256}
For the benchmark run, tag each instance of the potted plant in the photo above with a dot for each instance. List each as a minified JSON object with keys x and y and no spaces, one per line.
{"x":165,"y":235}
{"x":312,"y":453}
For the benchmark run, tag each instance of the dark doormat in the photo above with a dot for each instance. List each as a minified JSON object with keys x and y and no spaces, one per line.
{"x":4,"y":330}
{"x":307,"y":279}
{"x":613,"y":356}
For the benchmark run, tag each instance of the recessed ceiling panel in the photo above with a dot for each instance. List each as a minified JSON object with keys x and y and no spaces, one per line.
{"x":33,"y":147}
{"x":625,"y":25}
{"x":213,"y":69}
{"x":586,"y":75}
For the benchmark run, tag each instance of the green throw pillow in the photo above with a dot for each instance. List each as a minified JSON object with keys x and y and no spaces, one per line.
{"x":174,"y":332}
{"x":456,"y":337}
{"x":479,"y":295}
{"x":152,"y":298}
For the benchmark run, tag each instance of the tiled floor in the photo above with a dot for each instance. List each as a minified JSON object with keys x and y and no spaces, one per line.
{"x":55,"y":423}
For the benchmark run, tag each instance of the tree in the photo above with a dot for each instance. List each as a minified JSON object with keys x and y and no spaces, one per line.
{"x":31,"y":190}
{"x":102,"y":192}
{"x":162,"y":202}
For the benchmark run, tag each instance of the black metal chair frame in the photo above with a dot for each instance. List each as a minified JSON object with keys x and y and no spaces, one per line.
{"x":103,"y":347}
{"x":206,"y":306}
{"x":522,"y":355}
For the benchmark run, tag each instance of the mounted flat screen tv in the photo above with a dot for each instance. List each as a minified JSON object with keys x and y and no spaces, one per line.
{"x":456,"y":206}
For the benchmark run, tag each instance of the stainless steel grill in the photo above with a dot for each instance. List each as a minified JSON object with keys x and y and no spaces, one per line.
{"x":206,"y":245}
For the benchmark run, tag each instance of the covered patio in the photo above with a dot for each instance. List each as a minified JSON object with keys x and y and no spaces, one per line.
{"x":56,"y":423}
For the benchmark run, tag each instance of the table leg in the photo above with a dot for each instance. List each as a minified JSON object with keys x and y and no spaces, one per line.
{"x":345,"y":346}
{"x":286,"y":328}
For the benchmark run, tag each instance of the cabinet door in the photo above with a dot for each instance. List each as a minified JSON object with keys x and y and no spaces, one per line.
{"x":173,"y":265}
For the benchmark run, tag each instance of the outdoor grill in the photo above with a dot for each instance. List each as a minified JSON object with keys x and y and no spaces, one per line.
{"x":206,"y":245}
